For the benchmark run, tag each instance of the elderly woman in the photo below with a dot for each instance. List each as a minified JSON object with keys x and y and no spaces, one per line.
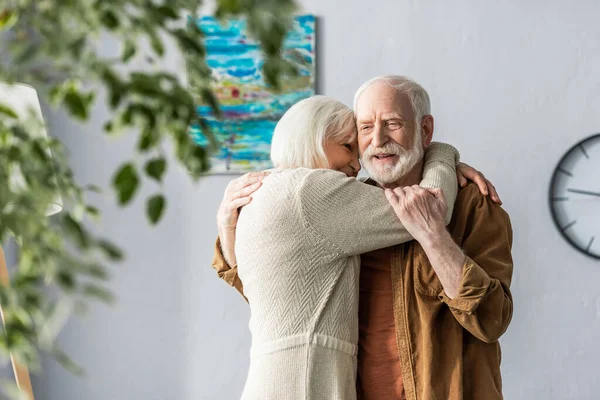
{"x":297,"y":247}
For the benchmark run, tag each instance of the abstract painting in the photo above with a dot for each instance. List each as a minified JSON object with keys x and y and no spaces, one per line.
{"x":250,"y":110}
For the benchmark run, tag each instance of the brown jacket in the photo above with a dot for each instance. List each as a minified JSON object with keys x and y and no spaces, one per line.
{"x":448,"y":348}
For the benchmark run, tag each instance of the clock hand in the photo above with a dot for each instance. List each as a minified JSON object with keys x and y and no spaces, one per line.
{"x":584,"y":192}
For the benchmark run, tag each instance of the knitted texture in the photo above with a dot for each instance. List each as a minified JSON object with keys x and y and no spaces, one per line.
{"x":298,"y":244}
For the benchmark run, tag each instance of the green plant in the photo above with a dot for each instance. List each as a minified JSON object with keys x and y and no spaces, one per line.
{"x":52,"y":46}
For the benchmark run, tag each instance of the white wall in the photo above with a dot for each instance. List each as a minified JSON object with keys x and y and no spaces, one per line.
{"x":513,"y":84}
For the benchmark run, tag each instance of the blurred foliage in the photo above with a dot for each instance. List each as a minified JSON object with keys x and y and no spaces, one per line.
{"x":54,"y":46}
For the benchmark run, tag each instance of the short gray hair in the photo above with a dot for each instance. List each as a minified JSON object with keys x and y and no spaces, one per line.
{"x":416,"y":93}
{"x":300,"y":135}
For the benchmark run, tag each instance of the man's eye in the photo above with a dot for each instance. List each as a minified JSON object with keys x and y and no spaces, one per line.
{"x":365,"y":127}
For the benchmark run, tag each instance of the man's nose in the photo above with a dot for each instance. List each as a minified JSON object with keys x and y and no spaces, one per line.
{"x":379,"y":137}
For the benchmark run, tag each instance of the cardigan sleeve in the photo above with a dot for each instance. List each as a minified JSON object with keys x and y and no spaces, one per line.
{"x":355,"y":218}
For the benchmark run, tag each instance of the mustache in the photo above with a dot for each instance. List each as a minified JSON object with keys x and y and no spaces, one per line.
{"x":388,"y":148}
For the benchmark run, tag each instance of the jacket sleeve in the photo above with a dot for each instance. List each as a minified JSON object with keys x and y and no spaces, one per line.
{"x":484,"y":303}
{"x":225,"y":272}
{"x":354,"y":218}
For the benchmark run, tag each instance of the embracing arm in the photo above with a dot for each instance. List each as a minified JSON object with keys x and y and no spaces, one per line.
{"x":355,"y":218}
{"x":237,"y":194}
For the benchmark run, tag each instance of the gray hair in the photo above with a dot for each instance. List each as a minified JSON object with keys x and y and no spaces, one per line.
{"x":418,"y":96}
{"x":301,"y":133}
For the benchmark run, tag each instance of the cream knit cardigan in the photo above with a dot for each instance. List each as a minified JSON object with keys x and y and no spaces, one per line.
{"x":297,"y":246}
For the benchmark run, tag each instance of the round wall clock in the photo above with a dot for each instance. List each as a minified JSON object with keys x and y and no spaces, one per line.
{"x":575,"y":196}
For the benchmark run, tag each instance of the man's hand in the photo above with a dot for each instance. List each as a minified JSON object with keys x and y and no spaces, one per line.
{"x":237,"y":194}
{"x":421,"y":211}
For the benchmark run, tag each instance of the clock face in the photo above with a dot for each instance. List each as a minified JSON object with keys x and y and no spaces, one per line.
{"x":575,"y":196}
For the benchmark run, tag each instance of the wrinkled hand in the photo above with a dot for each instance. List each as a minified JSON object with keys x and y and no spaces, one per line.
{"x":465,"y":172}
{"x":237,"y":194}
{"x":421,"y":211}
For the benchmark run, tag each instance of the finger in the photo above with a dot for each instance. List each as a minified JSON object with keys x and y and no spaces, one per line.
{"x":236,"y":184}
{"x":467,"y":173}
{"x":411,"y":193}
{"x":260,"y":175}
{"x":437,"y":193}
{"x":245,"y":180}
{"x":240,"y":202}
{"x":419,"y":190}
{"x":252,"y":181}
{"x":391,"y":196}
{"x":462,"y":181}
{"x":246,"y":191}
{"x":480,"y":181}
{"x":400,"y":193}
{"x":493,"y":192}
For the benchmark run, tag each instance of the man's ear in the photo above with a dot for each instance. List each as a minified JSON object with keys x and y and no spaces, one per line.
{"x":427,"y":125}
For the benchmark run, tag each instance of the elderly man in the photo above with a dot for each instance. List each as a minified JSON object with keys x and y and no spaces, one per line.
{"x":431,"y":311}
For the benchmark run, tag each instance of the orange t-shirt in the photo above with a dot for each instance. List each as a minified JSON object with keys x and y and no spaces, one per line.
{"x":379,"y":372}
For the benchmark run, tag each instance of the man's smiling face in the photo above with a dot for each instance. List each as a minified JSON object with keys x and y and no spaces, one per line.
{"x":389,"y":138}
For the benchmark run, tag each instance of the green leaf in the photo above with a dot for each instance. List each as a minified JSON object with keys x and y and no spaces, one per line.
{"x":67,"y":362}
{"x":32,"y":300}
{"x":126,"y":183}
{"x":77,"y":46}
{"x":40,"y":152}
{"x":115,"y":98}
{"x":99,"y":292}
{"x":129,"y":50}
{"x":93,"y":212}
{"x":66,"y":280}
{"x":157,"y":45}
{"x":20,"y":280}
{"x":93,"y":188}
{"x":24,"y":318}
{"x":146,"y":85}
{"x":78,"y":104}
{"x":109,"y":19}
{"x":75,"y":229}
{"x":188,"y":44}
{"x":148,"y":139}
{"x":7,"y":19}
{"x":209,"y":98}
{"x":156,"y":168}
{"x":109,"y":127}
{"x":96,"y":271}
{"x":14,"y":154}
{"x":155,"y":207}
{"x":6,"y":110}
{"x":226,"y":7}
{"x":168,"y":12}
{"x":111,"y":251}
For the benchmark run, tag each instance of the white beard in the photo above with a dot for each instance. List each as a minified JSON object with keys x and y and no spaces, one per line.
{"x":407,"y":159}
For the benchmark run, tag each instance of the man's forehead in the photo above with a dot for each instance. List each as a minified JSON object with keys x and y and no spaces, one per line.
{"x":386,"y":105}
{"x":394,"y":114}
{"x":385,"y":114}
